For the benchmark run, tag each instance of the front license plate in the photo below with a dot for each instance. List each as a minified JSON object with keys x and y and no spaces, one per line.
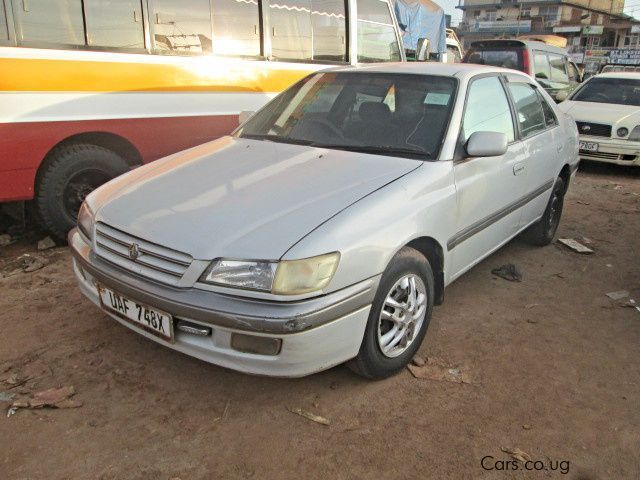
{"x":152,"y":320}
{"x":588,"y":147}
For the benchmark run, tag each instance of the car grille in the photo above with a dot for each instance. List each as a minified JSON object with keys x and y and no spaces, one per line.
{"x":594,"y":129}
{"x":140,"y":256}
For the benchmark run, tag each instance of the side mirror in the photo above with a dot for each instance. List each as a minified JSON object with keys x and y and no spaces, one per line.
{"x":423,"y":50}
{"x":245,"y":115}
{"x":486,"y":144}
{"x":561,"y":96}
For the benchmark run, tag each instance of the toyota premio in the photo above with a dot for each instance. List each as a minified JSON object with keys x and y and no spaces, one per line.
{"x":327,"y":226}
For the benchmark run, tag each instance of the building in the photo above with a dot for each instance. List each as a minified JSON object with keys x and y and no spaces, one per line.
{"x":587,"y":24}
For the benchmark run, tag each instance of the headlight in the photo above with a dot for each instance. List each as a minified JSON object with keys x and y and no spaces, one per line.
{"x":85,"y":221}
{"x":635,"y":134}
{"x":288,"y":277}
{"x":622,"y":132}
{"x":236,"y":273}
{"x":306,"y":275}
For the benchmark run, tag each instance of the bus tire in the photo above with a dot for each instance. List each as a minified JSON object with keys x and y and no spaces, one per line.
{"x":69,"y":174}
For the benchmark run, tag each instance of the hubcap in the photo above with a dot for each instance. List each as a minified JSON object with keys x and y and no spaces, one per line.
{"x":402,"y":315}
{"x":78,"y":187}
{"x":554,"y":213}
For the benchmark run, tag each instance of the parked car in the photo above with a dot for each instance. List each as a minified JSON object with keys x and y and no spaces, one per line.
{"x":548,"y":64}
{"x":325,"y":229}
{"x":607,"y":110}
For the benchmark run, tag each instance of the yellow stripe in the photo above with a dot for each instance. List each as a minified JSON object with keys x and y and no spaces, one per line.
{"x":194,"y":75}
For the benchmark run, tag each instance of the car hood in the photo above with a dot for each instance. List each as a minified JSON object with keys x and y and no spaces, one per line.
{"x":241,"y":198}
{"x":602,"y":112}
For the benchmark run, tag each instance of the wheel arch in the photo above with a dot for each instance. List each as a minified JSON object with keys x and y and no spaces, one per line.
{"x":111,"y":141}
{"x":431,"y":249}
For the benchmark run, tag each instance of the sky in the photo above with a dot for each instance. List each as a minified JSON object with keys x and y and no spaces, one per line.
{"x":631,"y":7}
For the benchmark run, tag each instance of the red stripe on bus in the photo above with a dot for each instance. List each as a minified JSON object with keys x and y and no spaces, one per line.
{"x":24,"y":146}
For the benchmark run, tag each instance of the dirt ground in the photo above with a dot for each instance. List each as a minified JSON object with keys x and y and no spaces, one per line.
{"x":552,"y":361}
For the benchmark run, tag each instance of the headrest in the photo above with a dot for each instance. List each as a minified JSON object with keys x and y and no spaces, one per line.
{"x":374,"y":111}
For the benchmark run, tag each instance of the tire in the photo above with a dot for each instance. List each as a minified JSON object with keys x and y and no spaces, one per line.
{"x":372,"y":362}
{"x":542,"y":232}
{"x":70,"y":173}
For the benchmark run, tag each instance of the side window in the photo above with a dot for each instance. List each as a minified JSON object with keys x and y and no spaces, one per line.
{"x":541,"y":63}
{"x":181,"y":26}
{"x":377,"y":41}
{"x":236,"y":28}
{"x":550,"y":119}
{"x":114,"y":23}
{"x":557,"y":65}
{"x":574,"y":75}
{"x":308,"y":30}
{"x":528,"y":108}
{"x":44,"y":21}
{"x":4,"y":30}
{"x":487,"y":109}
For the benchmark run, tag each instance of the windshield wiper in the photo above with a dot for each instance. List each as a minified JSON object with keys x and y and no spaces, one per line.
{"x":375,"y":149}
{"x":275,"y":138}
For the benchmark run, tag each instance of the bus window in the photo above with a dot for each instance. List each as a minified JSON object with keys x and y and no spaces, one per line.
{"x":236,"y":27}
{"x":44,"y":21}
{"x":329,"y":31}
{"x":308,"y":30}
{"x":377,"y":40}
{"x":4,"y":31}
{"x":181,"y":26}
{"x":291,"y":29}
{"x":114,"y":23}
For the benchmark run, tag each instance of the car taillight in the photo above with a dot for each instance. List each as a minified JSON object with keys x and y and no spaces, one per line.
{"x":526,"y":62}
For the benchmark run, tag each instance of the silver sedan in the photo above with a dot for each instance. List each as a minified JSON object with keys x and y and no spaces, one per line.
{"x":327,"y":226}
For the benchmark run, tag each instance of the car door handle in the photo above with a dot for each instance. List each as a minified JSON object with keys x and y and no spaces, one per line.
{"x":518,"y":168}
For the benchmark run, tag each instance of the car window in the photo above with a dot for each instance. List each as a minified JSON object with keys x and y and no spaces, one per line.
{"x":382,"y":113}
{"x":621,"y":91}
{"x":487,"y":109}
{"x":574,"y":75}
{"x":377,"y":41}
{"x":557,"y":66}
{"x":497,"y":58}
{"x":529,"y":110}
{"x":549,"y":116}
{"x":541,"y":63}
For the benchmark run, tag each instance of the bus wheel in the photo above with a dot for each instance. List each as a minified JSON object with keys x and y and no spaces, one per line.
{"x":69,"y":175}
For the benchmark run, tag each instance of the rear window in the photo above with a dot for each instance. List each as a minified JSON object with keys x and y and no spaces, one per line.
{"x":505,"y":57}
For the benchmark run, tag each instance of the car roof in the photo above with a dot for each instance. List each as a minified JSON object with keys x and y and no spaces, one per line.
{"x":518,"y":43}
{"x":458,"y":70}
{"x":633,"y":75}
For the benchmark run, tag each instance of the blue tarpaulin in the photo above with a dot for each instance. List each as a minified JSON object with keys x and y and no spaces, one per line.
{"x":422,"y":19}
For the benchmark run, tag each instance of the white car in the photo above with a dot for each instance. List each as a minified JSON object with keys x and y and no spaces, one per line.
{"x":606,"y":109}
{"x":327,"y":226}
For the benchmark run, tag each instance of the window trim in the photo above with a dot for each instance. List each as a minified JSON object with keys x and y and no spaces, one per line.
{"x":546,"y":128}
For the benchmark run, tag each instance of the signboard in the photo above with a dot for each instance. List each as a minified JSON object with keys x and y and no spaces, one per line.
{"x":626,"y":56}
{"x":568,"y":29}
{"x":592,"y":30}
{"x":503,"y":26}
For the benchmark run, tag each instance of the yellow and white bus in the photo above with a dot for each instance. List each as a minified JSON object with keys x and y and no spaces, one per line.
{"x":92,"y":88}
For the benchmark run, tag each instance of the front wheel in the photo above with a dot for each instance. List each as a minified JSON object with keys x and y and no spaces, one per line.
{"x":542,"y":232}
{"x":399,"y":316}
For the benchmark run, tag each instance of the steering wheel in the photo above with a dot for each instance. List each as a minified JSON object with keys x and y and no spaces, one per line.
{"x":327,"y":126}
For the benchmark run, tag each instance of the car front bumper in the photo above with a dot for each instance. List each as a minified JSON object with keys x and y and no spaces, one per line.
{"x":315,"y":334}
{"x":620,"y":152}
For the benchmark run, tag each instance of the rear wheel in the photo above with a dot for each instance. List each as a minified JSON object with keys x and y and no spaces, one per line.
{"x":399,"y":316}
{"x":542,"y":232}
{"x":70,"y":174}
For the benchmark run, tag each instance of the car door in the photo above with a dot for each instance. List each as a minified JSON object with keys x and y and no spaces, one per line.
{"x":542,"y":142}
{"x":487,"y":188}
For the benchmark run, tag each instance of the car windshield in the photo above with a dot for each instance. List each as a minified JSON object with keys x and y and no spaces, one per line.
{"x":621,"y":91}
{"x":380,"y":113}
